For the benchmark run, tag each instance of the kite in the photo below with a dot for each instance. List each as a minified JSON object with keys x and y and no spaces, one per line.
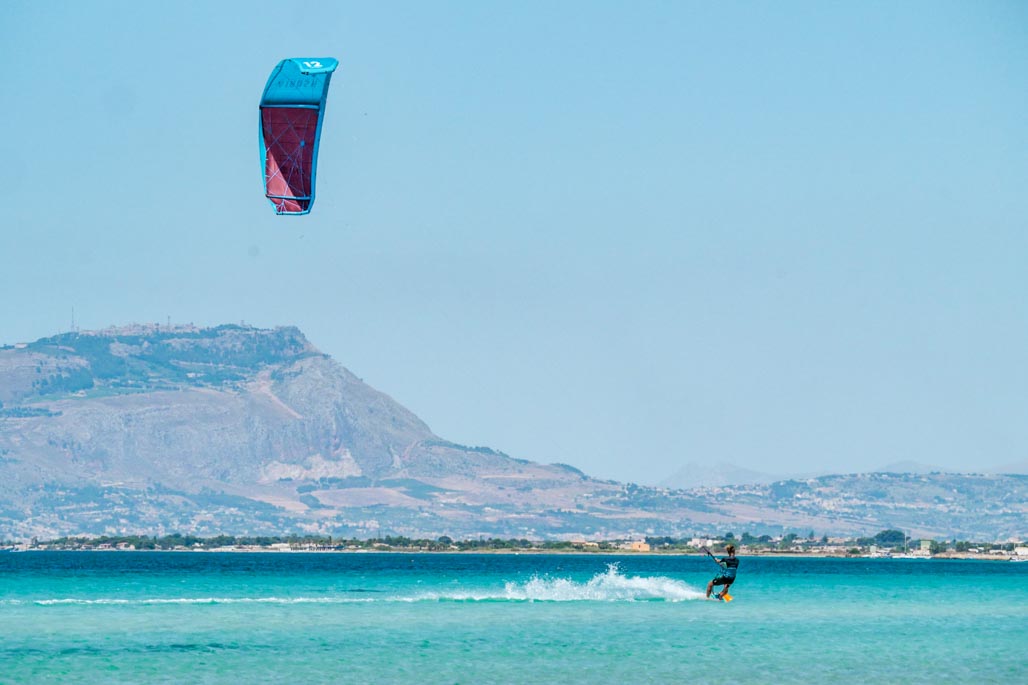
{"x":291,"y":113}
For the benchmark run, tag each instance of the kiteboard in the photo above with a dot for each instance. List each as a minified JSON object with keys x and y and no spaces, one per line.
{"x":724,"y":597}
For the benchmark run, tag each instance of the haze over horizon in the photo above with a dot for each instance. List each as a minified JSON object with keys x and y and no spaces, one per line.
{"x":788,"y":239}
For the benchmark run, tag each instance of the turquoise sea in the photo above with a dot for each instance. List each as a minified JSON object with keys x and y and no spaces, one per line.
{"x":138,"y":617}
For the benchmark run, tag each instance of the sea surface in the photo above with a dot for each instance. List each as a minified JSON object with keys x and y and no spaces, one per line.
{"x":142,"y":617}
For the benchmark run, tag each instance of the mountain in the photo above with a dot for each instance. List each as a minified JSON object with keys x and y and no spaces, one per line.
{"x":242,"y":429}
{"x":234,"y":429}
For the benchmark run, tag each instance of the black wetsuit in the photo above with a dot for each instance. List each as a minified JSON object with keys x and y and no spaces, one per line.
{"x":727,"y":575}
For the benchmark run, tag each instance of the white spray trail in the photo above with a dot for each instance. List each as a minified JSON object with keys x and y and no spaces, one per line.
{"x":610,"y":586}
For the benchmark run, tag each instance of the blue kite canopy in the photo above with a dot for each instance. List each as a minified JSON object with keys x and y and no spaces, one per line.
{"x":290,"y":119}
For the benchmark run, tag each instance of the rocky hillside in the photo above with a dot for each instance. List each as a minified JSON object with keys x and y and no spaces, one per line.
{"x":230,"y":427}
{"x":234,"y":429}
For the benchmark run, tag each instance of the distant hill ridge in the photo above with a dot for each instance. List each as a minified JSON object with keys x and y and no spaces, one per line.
{"x":150,"y":357}
{"x":236,"y":429}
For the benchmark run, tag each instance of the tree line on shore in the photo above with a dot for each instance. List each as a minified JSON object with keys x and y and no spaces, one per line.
{"x":180,"y":541}
{"x":886,"y":540}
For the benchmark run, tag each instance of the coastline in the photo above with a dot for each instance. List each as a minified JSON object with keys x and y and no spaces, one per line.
{"x":769,"y":554}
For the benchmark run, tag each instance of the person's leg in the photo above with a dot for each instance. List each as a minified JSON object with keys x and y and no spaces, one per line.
{"x":710,"y":586}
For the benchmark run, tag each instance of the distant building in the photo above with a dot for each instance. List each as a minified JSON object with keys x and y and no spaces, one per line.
{"x":580,"y":542}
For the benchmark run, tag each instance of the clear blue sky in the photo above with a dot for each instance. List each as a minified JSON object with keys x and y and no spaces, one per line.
{"x":624,"y":236}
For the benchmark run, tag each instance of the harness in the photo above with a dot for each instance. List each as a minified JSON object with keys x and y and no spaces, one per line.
{"x":730,"y":565}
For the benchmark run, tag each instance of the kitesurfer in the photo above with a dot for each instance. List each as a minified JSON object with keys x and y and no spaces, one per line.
{"x":726,"y":577}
